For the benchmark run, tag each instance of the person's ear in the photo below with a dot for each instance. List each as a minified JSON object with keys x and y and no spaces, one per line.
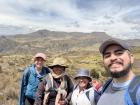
{"x":132,"y":58}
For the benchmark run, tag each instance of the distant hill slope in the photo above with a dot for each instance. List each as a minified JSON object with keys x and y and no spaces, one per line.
{"x":51,"y":41}
{"x":7,"y":44}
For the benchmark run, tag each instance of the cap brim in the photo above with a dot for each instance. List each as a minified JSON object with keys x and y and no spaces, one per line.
{"x":39,"y":57}
{"x":112,"y":42}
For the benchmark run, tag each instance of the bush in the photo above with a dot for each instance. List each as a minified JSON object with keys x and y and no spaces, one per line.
{"x":95,"y":73}
{"x":0,"y":69}
{"x":11,"y":93}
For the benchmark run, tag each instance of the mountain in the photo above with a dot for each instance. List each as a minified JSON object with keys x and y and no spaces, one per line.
{"x":7,"y":44}
{"x":52,"y":41}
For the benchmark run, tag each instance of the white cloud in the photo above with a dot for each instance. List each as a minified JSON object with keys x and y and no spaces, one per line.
{"x":117,"y":18}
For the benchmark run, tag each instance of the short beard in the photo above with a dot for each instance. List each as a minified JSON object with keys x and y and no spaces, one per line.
{"x":121,"y":73}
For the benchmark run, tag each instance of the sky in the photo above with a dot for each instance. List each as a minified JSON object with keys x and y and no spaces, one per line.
{"x":118,"y":18}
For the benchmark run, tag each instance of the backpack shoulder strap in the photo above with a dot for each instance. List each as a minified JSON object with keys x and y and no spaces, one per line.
{"x":46,"y":70}
{"x":75,"y":86}
{"x":49,"y":81}
{"x":92,"y":96}
{"x":96,"y":96}
{"x":65,"y":81}
{"x":48,"y":87}
{"x":106,"y":85}
{"x":26,"y":75}
{"x":131,"y":96}
{"x":87,"y":94}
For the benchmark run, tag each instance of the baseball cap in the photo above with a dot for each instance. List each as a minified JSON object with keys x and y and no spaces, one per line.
{"x":109,"y":42}
{"x":42,"y":55}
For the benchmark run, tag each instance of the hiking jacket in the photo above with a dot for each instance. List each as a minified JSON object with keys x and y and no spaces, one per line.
{"x":53,"y":93}
{"x":30,"y":81}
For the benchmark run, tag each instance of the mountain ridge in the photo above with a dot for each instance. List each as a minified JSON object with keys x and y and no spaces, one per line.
{"x":53,"y":41}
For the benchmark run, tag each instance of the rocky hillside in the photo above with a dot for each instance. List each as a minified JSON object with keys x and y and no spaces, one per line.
{"x":7,"y":44}
{"x":51,"y":41}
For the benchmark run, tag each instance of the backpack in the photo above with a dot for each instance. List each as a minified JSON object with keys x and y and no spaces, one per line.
{"x":96,"y":96}
{"x":131,"y":92}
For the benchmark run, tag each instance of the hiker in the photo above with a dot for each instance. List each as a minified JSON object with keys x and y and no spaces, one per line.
{"x":84,"y":93}
{"x":56,"y":88}
{"x":97,"y":85}
{"x":124,"y":86}
{"x":31,"y":78}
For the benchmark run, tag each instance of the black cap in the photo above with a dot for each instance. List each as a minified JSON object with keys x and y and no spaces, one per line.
{"x":109,"y":42}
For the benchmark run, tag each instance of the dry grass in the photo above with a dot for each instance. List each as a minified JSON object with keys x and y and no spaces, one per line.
{"x":11,"y":71}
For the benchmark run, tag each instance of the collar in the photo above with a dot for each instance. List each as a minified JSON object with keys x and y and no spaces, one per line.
{"x":120,"y":86}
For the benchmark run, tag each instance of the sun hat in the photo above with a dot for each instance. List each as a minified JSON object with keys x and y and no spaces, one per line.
{"x":59,"y":61}
{"x":109,"y":42}
{"x":83,"y":73}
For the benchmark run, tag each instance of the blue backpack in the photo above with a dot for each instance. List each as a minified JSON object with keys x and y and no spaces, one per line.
{"x":131,"y":97}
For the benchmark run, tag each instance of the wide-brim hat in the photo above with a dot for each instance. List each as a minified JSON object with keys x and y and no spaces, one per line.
{"x":109,"y":42}
{"x":83,"y":73}
{"x":59,"y":61}
{"x":41,"y":55}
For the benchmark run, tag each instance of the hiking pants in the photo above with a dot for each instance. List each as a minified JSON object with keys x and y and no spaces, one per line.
{"x":29,"y":101}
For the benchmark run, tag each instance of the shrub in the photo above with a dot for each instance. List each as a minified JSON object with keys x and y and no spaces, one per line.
{"x":11,"y":93}
{"x":0,"y":69}
{"x":95,"y":73}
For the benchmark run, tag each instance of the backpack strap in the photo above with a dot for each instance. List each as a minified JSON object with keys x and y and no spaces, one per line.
{"x":105,"y":86}
{"x":96,"y":96}
{"x":48,"y":87}
{"x":131,"y":93}
{"x":26,"y":77}
{"x":49,"y":82}
{"x":93,"y":96}
{"x":87,"y":94}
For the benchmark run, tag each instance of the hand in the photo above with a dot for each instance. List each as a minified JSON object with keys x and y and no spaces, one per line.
{"x":62,"y":102}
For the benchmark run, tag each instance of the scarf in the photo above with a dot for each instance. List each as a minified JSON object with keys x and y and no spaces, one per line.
{"x":61,"y":90}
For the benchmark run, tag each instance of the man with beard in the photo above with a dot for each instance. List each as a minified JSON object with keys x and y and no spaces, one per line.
{"x":123,"y":88}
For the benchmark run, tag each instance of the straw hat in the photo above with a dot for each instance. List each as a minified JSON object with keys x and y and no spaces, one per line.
{"x":59,"y":61}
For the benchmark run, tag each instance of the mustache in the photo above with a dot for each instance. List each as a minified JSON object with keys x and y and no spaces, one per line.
{"x":115,"y":62}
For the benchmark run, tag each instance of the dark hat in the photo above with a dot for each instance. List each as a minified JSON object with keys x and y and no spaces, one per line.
{"x":83,"y":73}
{"x":109,"y":42}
